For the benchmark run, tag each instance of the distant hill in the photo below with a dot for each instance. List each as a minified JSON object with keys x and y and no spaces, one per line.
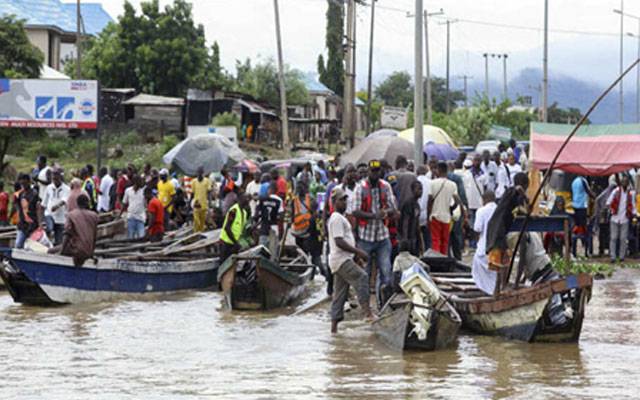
{"x":568,"y":92}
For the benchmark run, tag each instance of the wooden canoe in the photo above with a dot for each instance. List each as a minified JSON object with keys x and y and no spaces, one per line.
{"x":395,"y":329}
{"x":524,"y":313}
{"x":252,"y":281}
{"x":43,"y":279}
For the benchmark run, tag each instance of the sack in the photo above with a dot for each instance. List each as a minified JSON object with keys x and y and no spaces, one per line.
{"x":39,"y":240}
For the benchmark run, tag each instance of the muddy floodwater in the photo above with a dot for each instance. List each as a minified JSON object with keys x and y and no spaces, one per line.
{"x":190,"y":347}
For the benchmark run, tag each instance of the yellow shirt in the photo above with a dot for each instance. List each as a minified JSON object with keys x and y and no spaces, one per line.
{"x":200,"y":190}
{"x":166,"y":191}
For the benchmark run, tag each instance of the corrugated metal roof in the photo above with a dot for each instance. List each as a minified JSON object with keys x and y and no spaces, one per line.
{"x":94,"y":17}
{"x":57,"y":14}
{"x":152,"y":100}
{"x":313,"y":85}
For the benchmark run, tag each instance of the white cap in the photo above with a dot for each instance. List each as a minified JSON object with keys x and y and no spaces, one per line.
{"x":164,"y":171}
{"x":467,"y":163}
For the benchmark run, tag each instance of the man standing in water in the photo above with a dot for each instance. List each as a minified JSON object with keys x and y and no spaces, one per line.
{"x":342,"y":248}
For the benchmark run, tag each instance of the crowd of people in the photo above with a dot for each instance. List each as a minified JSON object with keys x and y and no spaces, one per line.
{"x":345,"y":215}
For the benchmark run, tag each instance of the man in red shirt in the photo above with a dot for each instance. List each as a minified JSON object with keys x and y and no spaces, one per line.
{"x":281,"y":184}
{"x":4,"y":206}
{"x":155,"y":216}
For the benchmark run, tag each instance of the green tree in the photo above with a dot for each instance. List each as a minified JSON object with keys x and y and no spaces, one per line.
{"x":18,"y":59}
{"x":261,"y":82}
{"x":439,"y":95}
{"x":376,"y":109}
{"x":558,"y":115}
{"x":332,"y":74}
{"x":396,"y":90}
{"x":157,"y":51}
{"x":213,"y":75}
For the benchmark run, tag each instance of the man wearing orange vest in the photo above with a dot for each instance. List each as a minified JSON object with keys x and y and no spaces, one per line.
{"x":373,"y":206}
{"x":303,"y":225}
{"x":621,"y":201}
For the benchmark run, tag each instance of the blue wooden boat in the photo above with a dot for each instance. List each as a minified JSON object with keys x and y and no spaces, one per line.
{"x":44,"y":279}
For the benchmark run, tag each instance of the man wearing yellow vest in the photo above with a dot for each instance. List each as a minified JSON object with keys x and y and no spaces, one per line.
{"x":233,"y":227}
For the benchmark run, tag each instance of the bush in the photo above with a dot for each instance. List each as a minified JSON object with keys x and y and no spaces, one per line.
{"x":227,"y":119}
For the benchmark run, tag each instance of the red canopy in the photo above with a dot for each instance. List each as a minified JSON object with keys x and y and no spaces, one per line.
{"x":595,"y":150}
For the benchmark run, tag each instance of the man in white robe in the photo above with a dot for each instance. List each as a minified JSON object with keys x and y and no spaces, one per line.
{"x":484,"y":278}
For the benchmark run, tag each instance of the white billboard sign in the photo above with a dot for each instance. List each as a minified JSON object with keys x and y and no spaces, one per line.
{"x":394,"y":117}
{"x":48,"y":103}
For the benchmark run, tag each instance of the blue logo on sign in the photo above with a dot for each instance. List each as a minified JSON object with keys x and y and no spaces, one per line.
{"x":64,"y":108}
{"x":44,"y":107}
{"x":4,"y":86}
{"x":86,"y":107}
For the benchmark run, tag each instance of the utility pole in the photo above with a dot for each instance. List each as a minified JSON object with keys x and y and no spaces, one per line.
{"x":425,"y":16}
{"x":427,"y":67}
{"x":417,"y":98}
{"x":486,"y":75}
{"x":78,"y":40}
{"x":466,"y":94}
{"x":545,"y":59}
{"x":448,"y":23}
{"x":621,"y":59}
{"x":504,"y":71}
{"x":623,"y":14}
{"x":347,"y":106}
{"x":369,"y":83}
{"x":283,"y":91}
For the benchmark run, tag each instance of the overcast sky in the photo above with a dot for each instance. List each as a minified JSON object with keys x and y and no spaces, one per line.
{"x":245,"y":28}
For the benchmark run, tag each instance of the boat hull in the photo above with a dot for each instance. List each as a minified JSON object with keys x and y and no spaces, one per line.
{"x":256,"y":283}
{"x":48,"y":279}
{"x":524,"y":314}
{"x":394,"y":328}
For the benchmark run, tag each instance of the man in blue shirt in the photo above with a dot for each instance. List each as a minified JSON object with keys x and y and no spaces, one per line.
{"x":580,"y":193}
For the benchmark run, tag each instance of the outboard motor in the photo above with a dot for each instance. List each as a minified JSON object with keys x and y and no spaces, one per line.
{"x":424,"y":295}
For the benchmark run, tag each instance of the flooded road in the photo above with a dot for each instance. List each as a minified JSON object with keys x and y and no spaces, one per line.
{"x":190,"y":347}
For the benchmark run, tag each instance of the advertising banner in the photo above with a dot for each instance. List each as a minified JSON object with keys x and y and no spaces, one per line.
{"x":394,"y":117}
{"x":48,"y":103}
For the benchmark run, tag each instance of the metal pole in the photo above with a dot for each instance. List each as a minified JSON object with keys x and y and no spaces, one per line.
{"x":78,"y":40}
{"x":99,"y":130}
{"x":283,"y":91}
{"x":486,"y":75}
{"x":466,"y":102}
{"x":504,"y":70}
{"x":545,"y":59}
{"x":638,"y":80}
{"x":621,"y":59}
{"x":427,"y":67}
{"x":417,"y":99}
{"x":347,"y":107}
{"x":354,"y":111}
{"x":369,"y":84}
{"x":448,"y":97}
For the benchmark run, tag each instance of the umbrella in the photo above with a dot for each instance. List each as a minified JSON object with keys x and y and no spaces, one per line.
{"x":443,"y":152}
{"x":430,"y":133}
{"x":246,"y":166}
{"x":382,"y":133}
{"x":211,"y":151}
{"x":381,"y":148}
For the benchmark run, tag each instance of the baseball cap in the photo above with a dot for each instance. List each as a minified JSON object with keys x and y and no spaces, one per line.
{"x":164,"y":171}
{"x":338,"y":193}
{"x":373,"y":164}
{"x":467,"y":163}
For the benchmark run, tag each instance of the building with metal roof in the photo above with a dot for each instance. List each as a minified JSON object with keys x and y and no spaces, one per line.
{"x":51,"y":23}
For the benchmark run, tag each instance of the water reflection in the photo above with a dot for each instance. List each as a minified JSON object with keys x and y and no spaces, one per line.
{"x":191,"y":347}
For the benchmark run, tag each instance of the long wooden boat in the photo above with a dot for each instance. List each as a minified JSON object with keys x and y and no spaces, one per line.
{"x":551,"y":311}
{"x":252,"y":281}
{"x":44,"y":279}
